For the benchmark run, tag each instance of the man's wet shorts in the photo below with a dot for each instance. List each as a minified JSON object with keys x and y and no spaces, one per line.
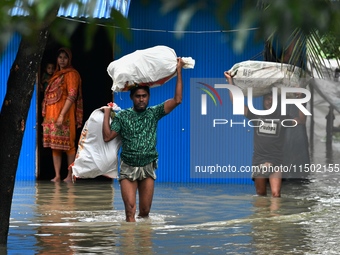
{"x":265,"y":172}
{"x":137,"y":173}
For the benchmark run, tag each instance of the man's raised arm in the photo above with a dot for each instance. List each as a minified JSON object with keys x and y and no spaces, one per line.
{"x":228,"y":76}
{"x":172,"y":103}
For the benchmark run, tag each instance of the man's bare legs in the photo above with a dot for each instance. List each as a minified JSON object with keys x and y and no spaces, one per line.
{"x":261,"y":186}
{"x":128,"y":190}
{"x":145,"y":191}
{"x":275,"y":181}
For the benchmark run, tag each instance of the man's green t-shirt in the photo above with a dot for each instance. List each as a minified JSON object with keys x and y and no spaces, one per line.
{"x":138,"y":132}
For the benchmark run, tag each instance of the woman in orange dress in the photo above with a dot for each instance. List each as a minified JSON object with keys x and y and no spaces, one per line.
{"x":62,"y":110}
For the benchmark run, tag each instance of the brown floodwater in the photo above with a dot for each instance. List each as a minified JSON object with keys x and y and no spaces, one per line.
{"x":87,"y":217}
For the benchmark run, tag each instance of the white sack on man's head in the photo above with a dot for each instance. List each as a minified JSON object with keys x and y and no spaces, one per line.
{"x":149,"y":67}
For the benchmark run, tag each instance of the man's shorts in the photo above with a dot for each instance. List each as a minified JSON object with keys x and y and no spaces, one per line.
{"x":137,"y":173}
{"x":264,"y":172}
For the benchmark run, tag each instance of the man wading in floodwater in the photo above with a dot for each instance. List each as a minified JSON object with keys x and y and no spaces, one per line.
{"x":268,"y":145}
{"x":137,"y":126}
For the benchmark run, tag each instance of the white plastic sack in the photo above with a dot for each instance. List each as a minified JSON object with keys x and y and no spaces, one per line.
{"x":149,"y":67}
{"x":94,"y":156}
{"x":262,"y":76}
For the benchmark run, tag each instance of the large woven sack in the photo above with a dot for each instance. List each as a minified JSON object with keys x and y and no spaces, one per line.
{"x":149,"y":67}
{"x":94,"y":156}
{"x":262,"y":76}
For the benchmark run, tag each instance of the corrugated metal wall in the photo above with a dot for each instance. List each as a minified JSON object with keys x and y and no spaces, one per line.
{"x":213,"y":54}
{"x":26,"y":165}
{"x":99,"y":8}
{"x":209,"y":46}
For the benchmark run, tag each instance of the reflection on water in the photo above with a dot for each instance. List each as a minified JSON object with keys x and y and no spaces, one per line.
{"x":62,"y":206}
{"x":88,"y":218}
{"x":276,"y":229}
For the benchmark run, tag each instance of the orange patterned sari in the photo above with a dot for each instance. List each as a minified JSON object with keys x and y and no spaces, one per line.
{"x":65,"y":84}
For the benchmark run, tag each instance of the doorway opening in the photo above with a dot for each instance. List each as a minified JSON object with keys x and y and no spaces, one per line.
{"x":96,"y":86}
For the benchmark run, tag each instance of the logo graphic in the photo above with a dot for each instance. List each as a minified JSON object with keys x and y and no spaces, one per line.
{"x":204,"y":97}
{"x":238,"y":99}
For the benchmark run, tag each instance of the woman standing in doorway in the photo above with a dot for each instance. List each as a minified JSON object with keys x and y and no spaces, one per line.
{"x":62,"y":109}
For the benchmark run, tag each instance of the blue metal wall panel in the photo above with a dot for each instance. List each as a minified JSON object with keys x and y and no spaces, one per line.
{"x":26,"y":165}
{"x":100,"y":8}
{"x":6,"y":60}
{"x":27,"y":161}
{"x":213,"y":54}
